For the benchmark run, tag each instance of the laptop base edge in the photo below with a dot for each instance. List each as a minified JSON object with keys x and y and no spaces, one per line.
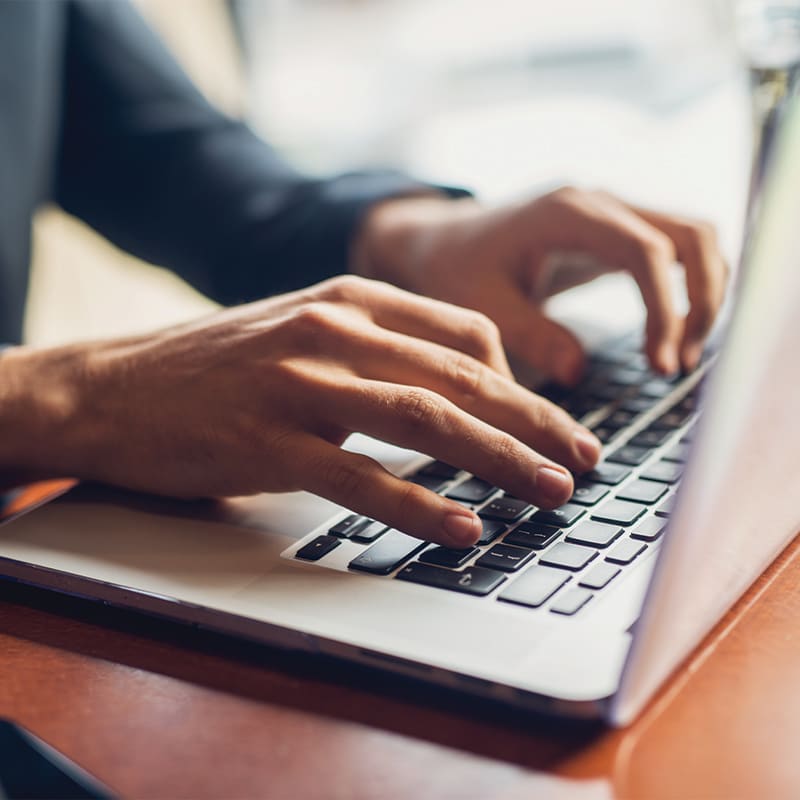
{"x":234,"y":627}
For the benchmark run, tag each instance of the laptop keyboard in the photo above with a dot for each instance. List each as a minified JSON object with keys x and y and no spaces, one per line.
{"x":561,"y":559}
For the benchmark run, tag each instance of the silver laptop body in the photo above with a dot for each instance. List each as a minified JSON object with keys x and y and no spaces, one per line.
{"x":231,"y":566}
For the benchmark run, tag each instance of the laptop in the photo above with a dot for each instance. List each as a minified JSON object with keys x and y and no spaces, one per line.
{"x":580,"y":612}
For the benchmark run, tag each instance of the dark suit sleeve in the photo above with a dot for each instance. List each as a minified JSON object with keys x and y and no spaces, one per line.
{"x":150,"y":164}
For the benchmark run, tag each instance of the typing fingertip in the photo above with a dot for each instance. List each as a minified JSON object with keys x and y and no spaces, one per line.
{"x":462,"y":528}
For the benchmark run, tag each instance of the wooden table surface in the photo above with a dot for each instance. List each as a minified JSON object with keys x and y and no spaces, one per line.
{"x":156,"y":709}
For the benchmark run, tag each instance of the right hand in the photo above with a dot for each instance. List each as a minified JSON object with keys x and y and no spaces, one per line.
{"x":260,"y":398}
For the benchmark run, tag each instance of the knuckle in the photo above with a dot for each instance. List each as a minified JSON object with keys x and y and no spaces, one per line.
{"x":603,"y":198}
{"x":346,"y":479}
{"x":704,"y":232}
{"x":567,"y":194}
{"x":344,"y":287}
{"x":466,"y":375}
{"x":546,"y":416}
{"x":483,"y":333}
{"x":420,"y":408}
{"x":656,"y":247}
{"x":315,"y":319}
{"x":700,"y":240}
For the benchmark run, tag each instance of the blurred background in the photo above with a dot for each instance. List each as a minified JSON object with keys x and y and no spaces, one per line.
{"x":647,"y":98}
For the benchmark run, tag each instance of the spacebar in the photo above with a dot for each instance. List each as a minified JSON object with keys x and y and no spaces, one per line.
{"x":473,"y":580}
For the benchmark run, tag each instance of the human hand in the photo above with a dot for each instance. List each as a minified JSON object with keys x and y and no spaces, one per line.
{"x":260,"y":398}
{"x":500,"y":262}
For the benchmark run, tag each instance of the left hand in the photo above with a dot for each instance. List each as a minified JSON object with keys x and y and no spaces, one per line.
{"x":499,"y":262}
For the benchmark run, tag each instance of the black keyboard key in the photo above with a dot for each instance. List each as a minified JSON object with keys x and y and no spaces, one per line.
{"x":626,"y":376}
{"x":619,"y":512}
{"x":473,"y":490}
{"x":473,"y":580}
{"x":532,"y":535}
{"x":679,"y":453}
{"x":387,"y":553}
{"x":491,"y":530}
{"x":637,"y":405}
{"x":448,"y":557}
{"x":638,"y":359}
{"x":599,"y":576}
{"x":587,"y":494}
{"x":626,"y":551}
{"x":317,"y":548}
{"x":534,"y":587}
{"x":656,"y":388}
{"x":553,"y":392}
{"x":507,"y":509}
{"x":604,"y":434}
{"x":603,"y":393}
{"x":580,"y":406}
{"x":369,"y":532}
{"x":630,"y":455}
{"x":571,"y":602}
{"x":648,"y":530}
{"x":505,"y":557}
{"x":671,"y":421}
{"x":667,"y":507}
{"x":663,"y":472}
{"x":345,"y":528}
{"x":563,"y":516}
{"x":610,"y":474}
{"x":618,"y":357}
{"x":430,"y":482}
{"x":438,"y":469}
{"x":650,"y":438}
{"x":594,"y":534}
{"x":620,"y":419}
{"x":642,"y":492}
{"x":567,"y":556}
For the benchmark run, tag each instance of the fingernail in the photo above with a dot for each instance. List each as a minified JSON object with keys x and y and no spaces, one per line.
{"x":463,"y":529}
{"x":554,"y":485}
{"x":588,"y":446}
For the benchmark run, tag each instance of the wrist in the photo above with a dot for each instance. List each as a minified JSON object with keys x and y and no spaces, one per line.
{"x":45,"y":426}
{"x":396,"y":237}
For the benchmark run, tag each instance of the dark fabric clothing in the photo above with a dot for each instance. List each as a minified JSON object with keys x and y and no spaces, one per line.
{"x":97,"y":116}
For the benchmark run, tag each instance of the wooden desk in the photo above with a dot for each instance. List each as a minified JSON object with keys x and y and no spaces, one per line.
{"x":160,"y":710}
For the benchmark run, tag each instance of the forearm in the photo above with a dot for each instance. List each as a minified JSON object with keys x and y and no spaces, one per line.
{"x":150,"y":164}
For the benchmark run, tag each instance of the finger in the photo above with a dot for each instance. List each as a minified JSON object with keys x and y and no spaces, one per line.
{"x":698,"y":250}
{"x":423,"y":420}
{"x":481,"y":392}
{"x":362,"y":485}
{"x":651,"y":270}
{"x":538,"y":340}
{"x":601,"y":224}
{"x":458,"y":328}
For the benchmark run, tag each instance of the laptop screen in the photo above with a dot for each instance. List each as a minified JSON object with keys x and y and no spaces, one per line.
{"x":737,"y":506}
